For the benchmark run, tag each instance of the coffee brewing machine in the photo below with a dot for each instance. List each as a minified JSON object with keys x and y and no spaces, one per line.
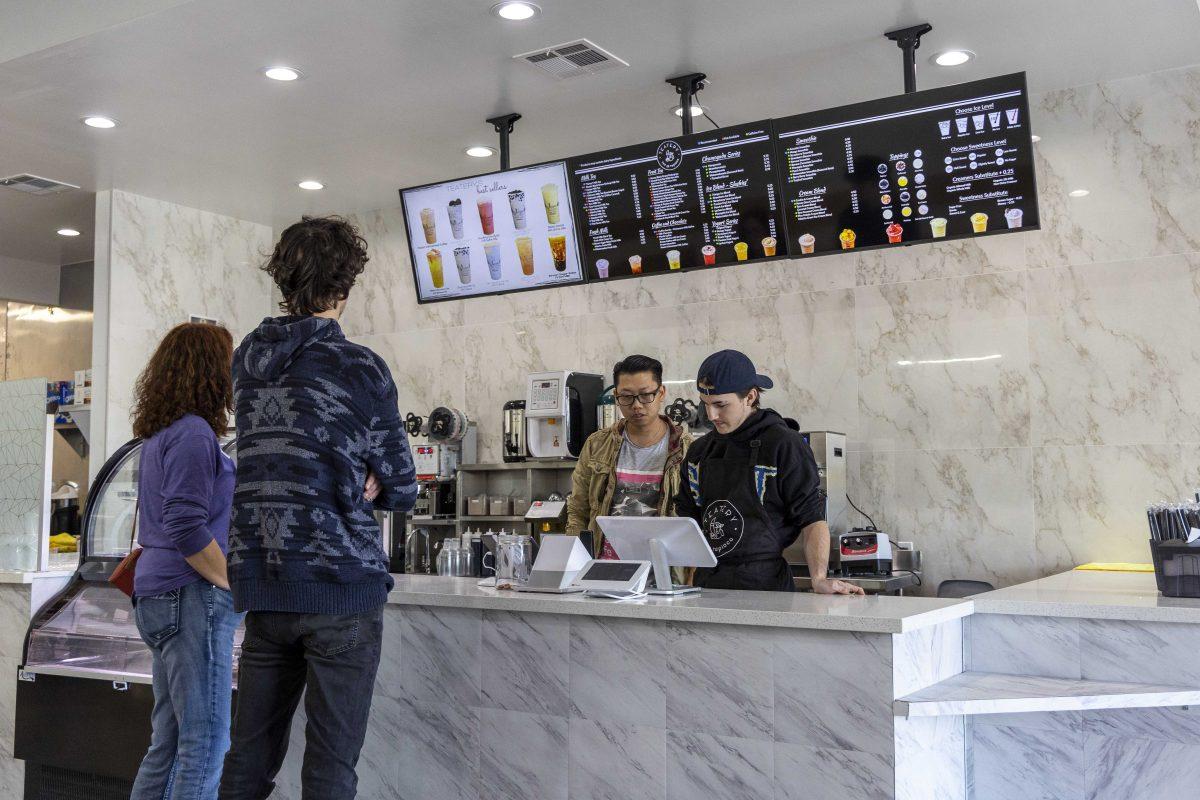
{"x":514,"y":432}
{"x":560,"y":412}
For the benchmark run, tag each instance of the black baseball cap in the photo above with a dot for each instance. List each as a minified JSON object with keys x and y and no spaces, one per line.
{"x":729,"y":371}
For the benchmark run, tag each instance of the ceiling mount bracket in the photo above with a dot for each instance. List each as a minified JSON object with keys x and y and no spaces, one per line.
{"x":504,"y":126}
{"x":908,"y":40}
{"x":687,"y":86}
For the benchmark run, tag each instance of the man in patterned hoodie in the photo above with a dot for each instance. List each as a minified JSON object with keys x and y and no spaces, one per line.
{"x":320,"y":447}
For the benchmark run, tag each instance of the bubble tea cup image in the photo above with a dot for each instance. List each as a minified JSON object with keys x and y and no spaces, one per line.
{"x":1013,"y":217}
{"x":741,"y":250}
{"x":491,"y":251}
{"x":558,"y":251}
{"x":434,"y":257}
{"x":938,"y":226}
{"x":462,"y":260}
{"x":602,"y":268}
{"x":979,"y":222}
{"x":808,"y":243}
{"x":635,"y":265}
{"x":768,"y":245}
{"x":429,"y":225}
{"x":673,"y":259}
{"x":454,"y":207}
{"x":516,"y":204}
{"x":486,"y":218}
{"x":525,"y":253}
{"x":550,"y":201}
{"x":710,"y":254}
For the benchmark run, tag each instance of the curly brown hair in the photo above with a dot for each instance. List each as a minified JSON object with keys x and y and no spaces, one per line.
{"x":315,"y":264}
{"x":191,"y":372}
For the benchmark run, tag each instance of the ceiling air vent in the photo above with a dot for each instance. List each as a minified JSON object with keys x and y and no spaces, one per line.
{"x":34,"y":184}
{"x":572,"y":60}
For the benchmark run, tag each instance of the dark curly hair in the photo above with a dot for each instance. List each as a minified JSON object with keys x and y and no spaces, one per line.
{"x":315,"y":264}
{"x":191,"y":372}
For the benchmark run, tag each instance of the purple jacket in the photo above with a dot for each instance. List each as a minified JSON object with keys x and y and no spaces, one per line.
{"x":185,"y":490}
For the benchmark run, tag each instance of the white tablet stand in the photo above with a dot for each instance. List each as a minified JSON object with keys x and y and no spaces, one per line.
{"x":663,"y":541}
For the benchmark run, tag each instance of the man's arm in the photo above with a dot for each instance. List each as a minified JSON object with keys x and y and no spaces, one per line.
{"x":816,"y":554}
{"x":579,"y":509}
{"x":389,"y":457}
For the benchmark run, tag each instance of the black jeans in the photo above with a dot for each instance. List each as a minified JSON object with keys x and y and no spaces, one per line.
{"x":334,"y":658}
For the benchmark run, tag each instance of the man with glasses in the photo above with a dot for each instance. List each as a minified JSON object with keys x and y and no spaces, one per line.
{"x":632,"y":468}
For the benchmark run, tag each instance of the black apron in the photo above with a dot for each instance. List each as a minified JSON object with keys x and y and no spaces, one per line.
{"x":749,"y":555}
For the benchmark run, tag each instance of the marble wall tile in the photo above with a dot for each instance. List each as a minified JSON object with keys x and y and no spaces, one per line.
{"x":616,"y":761}
{"x":1139,"y":652}
{"x":15,"y":614}
{"x":947,"y":259}
{"x":437,"y":751}
{"x":166,"y":263}
{"x":525,"y":662}
{"x":906,"y":404}
{"x":803,"y":773}
{"x":970,"y":512}
{"x":832,"y":691}
{"x":389,"y":679}
{"x":1015,"y":645}
{"x":427,"y":366}
{"x":1062,"y":722}
{"x":1113,"y":352}
{"x":500,"y":357}
{"x":440,"y":654}
{"x":1026,"y":764}
{"x":522,"y":755}
{"x":926,"y":656}
{"x":719,"y":680}
{"x":1180,"y":725}
{"x":1090,"y":502}
{"x":1130,"y":142}
{"x":378,"y":768}
{"x":617,"y":671}
{"x":931,"y":758}
{"x":1139,"y":769}
{"x":718,"y":767}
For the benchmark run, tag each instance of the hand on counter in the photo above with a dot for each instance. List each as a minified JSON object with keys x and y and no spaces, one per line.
{"x":372,"y":488}
{"x":827,"y":586}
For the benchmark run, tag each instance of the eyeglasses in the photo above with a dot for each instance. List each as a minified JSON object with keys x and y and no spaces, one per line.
{"x":645,"y":398}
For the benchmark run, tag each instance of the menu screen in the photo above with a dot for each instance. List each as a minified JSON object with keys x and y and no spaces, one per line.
{"x":946,"y":163}
{"x":502,"y":232}
{"x":682,"y":203}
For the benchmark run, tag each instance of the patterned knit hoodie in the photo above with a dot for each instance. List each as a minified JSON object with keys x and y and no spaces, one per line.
{"x":315,"y":413}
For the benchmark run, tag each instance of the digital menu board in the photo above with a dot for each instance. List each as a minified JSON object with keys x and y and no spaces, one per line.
{"x":490,"y":234}
{"x":681,"y":203}
{"x":939,"y":164}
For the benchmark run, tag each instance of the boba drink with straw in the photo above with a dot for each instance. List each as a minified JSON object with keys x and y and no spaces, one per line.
{"x":486,"y":219}
{"x":491,"y":251}
{"x":550,"y":201}
{"x":462,"y":260}
{"x":429,"y":225}
{"x":516,"y":204}
{"x":558,"y":251}
{"x":454,"y":207}
{"x":434,"y":257}
{"x":525,"y":253}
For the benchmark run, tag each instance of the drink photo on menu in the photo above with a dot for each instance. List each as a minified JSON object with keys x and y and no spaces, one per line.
{"x":670,"y":206}
{"x":492,"y":234}
{"x":948,"y":163}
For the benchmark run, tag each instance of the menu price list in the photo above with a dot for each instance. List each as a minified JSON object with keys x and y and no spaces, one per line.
{"x":689,"y":202}
{"x":940,"y":164}
{"x":491,"y":234}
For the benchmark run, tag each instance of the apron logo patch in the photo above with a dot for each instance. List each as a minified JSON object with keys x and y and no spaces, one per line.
{"x":723,"y":526}
{"x":760,"y":480}
{"x":693,"y":478}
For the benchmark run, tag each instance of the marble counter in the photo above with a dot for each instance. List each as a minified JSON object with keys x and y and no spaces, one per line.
{"x":1086,"y":594}
{"x":872,"y":614}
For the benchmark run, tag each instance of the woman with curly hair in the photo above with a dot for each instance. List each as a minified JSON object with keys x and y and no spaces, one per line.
{"x":182,"y":604}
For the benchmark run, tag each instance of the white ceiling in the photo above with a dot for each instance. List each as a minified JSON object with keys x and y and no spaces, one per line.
{"x":395,"y":89}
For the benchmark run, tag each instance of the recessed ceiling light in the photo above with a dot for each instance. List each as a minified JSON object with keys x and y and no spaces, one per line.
{"x":1035,"y":138}
{"x":516,"y":10}
{"x":100,"y":122}
{"x":282,"y":73}
{"x":1079,"y":193}
{"x":311,"y":186}
{"x":67,"y":232}
{"x":953,"y":58}
{"x":697,"y":110}
{"x":480,"y":151}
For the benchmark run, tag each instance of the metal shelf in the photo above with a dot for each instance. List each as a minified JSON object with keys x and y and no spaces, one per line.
{"x":517,"y":466}
{"x":511,"y":518}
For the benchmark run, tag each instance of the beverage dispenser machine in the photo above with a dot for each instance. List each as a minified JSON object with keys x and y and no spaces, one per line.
{"x":560,"y":412}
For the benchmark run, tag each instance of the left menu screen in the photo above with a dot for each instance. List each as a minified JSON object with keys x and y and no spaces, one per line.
{"x":491,"y":234}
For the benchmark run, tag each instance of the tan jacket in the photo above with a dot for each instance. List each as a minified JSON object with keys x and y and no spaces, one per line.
{"x":593,"y":482}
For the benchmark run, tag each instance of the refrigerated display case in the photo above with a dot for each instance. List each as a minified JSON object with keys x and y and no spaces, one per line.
{"x":83,"y":689}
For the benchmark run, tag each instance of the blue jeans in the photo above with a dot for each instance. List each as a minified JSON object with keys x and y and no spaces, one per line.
{"x":331,"y":660}
{"x":190,"y":632}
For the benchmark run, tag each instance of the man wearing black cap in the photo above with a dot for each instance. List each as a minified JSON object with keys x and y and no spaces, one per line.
{"x":752,"y":485}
